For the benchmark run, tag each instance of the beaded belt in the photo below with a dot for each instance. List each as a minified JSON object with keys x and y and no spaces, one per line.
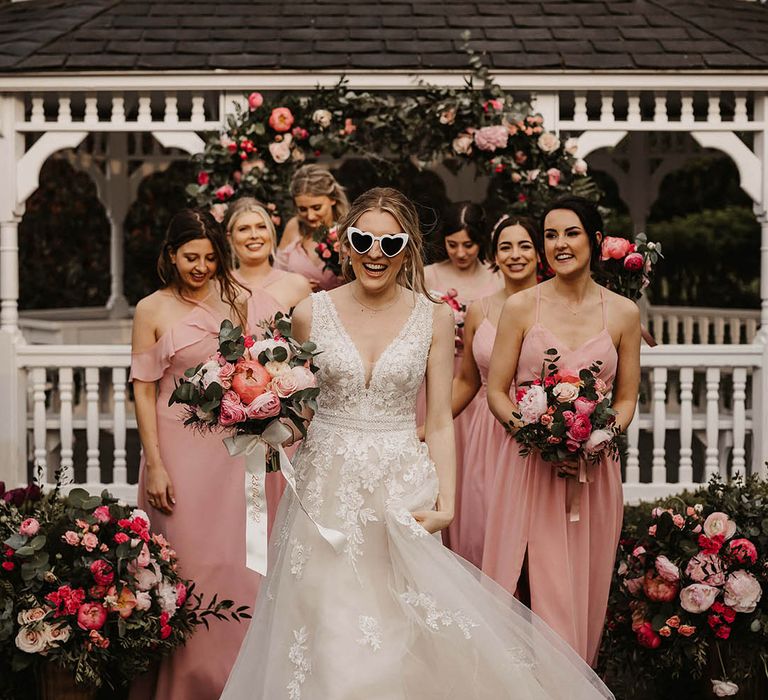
{"x":370,"y":424}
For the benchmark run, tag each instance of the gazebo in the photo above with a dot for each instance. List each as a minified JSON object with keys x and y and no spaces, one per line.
{"x":122,"y":87}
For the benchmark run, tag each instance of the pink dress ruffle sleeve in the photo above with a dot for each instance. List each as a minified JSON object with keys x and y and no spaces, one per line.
{"x":569,"y":564}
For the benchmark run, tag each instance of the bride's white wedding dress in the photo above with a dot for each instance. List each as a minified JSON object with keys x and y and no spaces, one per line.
{"x":393,"y":614}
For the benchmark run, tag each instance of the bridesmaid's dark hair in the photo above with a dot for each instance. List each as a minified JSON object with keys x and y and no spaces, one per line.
{"x":508,"y":220}
{"x":588,"y":215}
{"x":469,"y":217}
{"x":192,"y":225}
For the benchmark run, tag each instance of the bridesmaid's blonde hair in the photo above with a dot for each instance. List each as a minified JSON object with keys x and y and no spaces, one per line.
{"x":395,"y":203}
{"x":314,"y":180}
{"x":246,"y":205}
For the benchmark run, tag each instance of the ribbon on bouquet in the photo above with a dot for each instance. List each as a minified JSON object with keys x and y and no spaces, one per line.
{"x":254,"y":449}
{"x":574,"y":488}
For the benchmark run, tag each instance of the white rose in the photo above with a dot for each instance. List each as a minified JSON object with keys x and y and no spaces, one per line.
{"x":571,"y":146}
{"x":57,"y":634}
{"x":275,"y":368}
{"x":27,"y":617}
{"x":284,"y":384}
{"x":209,"y":372}
{"x":533,"y":404}
{"x":268,"y":344}
{"x":166,"y":597}
{"x":597,"y":441}
{"x":322,"y":117}
{"x":580,"y":167}
{"x":281,"y":150}
{"x":31,"y":640}
{"x":548,"y":142}
{"x":462,"y":144}
{"x":724,"y":688}
{"x":565,"y":392}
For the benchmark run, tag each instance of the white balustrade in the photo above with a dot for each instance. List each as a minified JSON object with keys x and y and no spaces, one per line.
{"x":690,"y":324}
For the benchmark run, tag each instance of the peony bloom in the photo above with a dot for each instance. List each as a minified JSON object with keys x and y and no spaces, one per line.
{"x":255,"y":100}
{"x":580,"y":167}
{"x":598,"y":441}
{"x":719,"y":524}
{"x":231,"y":409}
{"x":584,"y":406}
{"x":659,"y":589}
{"x":698,"y":597}
{"x":553,"y":177}
{"x":462,"y":144}
{"x":102,"y":572}
{"x":491,"y":138}
{"x":250,"y":380}
{"x":266,"y":405}
{"x":533,"y":404}
{"x":580,"y":429}
{"x":724,"y":688}
{"x":268,"y":344}
{"x":633,"y":261}
{"x":666,"y":569}
{"x":743,"y":551}
{"x":143,"y":600}
{"x":274,"y":368}
{"x":224,"y":192}
{"x":91,"y":616}
{"x":548,"y":142}
{"x":32,"y":640}
{"x":281,"y":119}
{"x":614,"y":248}
{"x":647,"y":638}
{"x":29,"y":527}
{"x":742,"y":591}
{"x":706,"y":568}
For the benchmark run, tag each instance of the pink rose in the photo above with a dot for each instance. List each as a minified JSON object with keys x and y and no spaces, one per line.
{"x":686,"y":630}
{"x":219,"y":211}
{"x":250,"y":380}
{"x":303,"y":377}
{"x":598,"y":441}
{"x":255,"y":100}
{"x":71,"y":537}
{"x":102,"y":514}
{"x":584,"y":406}
{"x":29,"y":527}
{"x":490,"y":138}
{"x":659,"y":589}
{"x":266,"y":405}
{"x":742,"y":591}
{"x":614,"y":248}
{"x":706,"y":568}
{"x":646,"y":637}
{"x":581,"y":428}
{"x":698,"y":597}
{"x":280,"y":151}
{"x":553,"y":177}
{"x":633,"y":261}
{"x":666,"y":569}
{"x":719,"y":524}
{"x":565,"y":392}
{"x":226,"y":372}
{"x":91,"y":616}
{"x":284,"y":384}
{"x":224,"y":192}
{"x":548,"y":142}
{"x":231,"y":410}
{"x":181,"y":594}
{"x":89,"y":541}
{"x":102,"y":572}
{"x":743,"y":551}
{"x":281,"y":119}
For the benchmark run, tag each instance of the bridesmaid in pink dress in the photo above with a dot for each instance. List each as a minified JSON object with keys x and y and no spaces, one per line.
{"x":191,"y":489}
{"x":253,"y":239}
{"x":546,"y":534}
{"x":319,"y":201}
{"x":514,"y":244}
{"x":465,"y":241}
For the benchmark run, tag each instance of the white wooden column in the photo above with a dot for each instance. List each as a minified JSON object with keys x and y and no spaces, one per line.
{"x":116,"y":199}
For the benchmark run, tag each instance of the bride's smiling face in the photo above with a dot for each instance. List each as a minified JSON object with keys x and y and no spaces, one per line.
{"x":374,"y":270}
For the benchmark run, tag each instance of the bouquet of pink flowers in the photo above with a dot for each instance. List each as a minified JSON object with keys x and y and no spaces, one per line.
{"x":626,"y":266}
{"x":451,"y":297}
{"x":85,"y":583}
{"x":249,"y":384}
{"x":565,"y":415}
{"x":328,"y":248}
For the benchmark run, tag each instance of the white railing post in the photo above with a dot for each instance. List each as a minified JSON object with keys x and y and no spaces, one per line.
{"x":711,"y":464}
{"x":686,"y":425}
{"x":739,"y":418}
{"x":659,"y":466}
{"x":120,"y":471}
{"x":67,"y":438}
{"x":92,"y":475}
{"x":633,"y":451}
{"x":39,"y":428}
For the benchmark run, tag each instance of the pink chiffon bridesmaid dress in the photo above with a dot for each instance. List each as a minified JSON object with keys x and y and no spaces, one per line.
{"x":207,"y":526}
{"x":294,"y":258}
{"x":568,"y":564}
{"x":484,"y":439}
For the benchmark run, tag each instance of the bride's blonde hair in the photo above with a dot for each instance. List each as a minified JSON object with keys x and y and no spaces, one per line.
{"x":395,"y":203}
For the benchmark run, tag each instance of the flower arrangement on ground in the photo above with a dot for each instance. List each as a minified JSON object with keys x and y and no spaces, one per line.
{"x":565,"y":414}
{"x":87,"y":585}
{"x":688,"y":596}
{"x":626,"y":266}
{"x":248,"y":384}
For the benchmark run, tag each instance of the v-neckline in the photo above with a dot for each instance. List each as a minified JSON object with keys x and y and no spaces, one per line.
{"x":368,"y":380}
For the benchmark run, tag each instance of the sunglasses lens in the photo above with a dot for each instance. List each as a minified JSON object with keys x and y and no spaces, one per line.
{"x":391,"y":245}
{"x":361,"y":242}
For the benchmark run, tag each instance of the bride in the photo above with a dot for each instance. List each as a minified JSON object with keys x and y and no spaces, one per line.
{"x":362,"y":601}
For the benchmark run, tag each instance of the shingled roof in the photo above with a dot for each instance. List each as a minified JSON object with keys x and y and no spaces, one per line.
{"x":200,"y":35}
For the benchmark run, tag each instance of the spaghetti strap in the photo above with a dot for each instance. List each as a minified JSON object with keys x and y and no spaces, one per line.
{"x":605,"y":313}
{"x":538,"y":303}
{"x":484,"y":306}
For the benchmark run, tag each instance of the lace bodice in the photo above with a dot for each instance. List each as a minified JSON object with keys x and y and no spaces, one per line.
{"x":395,"y":378}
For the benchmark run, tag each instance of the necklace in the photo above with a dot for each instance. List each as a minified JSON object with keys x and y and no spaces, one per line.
{"x":372,"y":309}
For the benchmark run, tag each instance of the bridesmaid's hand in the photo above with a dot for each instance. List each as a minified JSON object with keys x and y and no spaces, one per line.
{"x":421,"y":433}
{"x":433,"y":520}
{"x":160,"y":493}
{"x":567,"y":468}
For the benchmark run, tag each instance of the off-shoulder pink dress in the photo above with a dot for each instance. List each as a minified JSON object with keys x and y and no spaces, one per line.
{"x":207,"y":527}
{"x":294,"y":258}
{"x":452,"y":534}
{"x":484,"y":438}
{"x":569,"y":564}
